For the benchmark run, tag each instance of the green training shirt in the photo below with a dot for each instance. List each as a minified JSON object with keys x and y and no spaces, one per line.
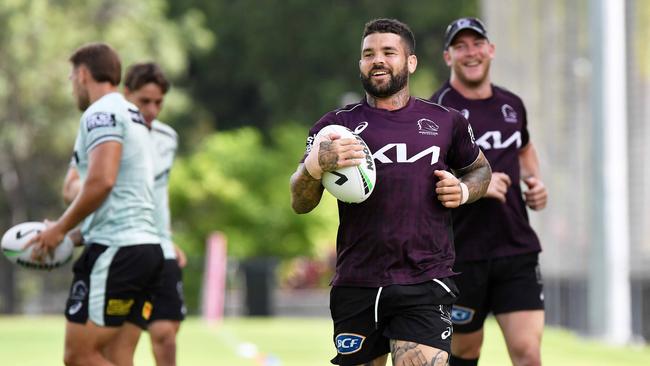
{"x":126,"y":217}
{"x":166,"y":142}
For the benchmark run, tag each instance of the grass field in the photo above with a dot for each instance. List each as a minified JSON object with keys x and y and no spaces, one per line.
{"x":38,"y":341}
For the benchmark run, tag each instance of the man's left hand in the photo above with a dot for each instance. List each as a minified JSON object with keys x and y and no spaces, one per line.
{"x":536,"y":195}
{"x":448,"y":189}
{"x":45,"y":242}
{"x":180,"y":256}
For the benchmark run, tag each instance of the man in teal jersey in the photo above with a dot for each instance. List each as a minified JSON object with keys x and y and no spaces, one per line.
{"x":145,"y":85}
{"x":122,"y":261}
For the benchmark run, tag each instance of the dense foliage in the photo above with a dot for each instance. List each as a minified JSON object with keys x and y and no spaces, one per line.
{"x":240,"y":71}
{"x":294,"y":59}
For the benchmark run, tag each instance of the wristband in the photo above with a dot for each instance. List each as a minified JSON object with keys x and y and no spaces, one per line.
{"x":464,"y":192}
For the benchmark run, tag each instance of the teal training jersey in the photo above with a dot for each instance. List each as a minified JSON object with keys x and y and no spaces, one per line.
{"x":126,"y":215}
{"x":166,"y":142}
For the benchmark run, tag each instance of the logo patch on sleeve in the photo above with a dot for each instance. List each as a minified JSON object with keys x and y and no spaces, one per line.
{"x":347,"y":343}
{"x":100,"y":119}
{"x":461,"y":315}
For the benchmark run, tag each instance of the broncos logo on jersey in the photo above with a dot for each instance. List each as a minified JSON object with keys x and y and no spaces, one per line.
{"x":427,"y":127}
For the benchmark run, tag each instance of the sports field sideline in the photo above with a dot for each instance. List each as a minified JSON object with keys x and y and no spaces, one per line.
{"x":38,"y":341}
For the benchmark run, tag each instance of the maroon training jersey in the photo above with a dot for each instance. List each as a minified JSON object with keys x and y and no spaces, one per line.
{"x":401,"y":234}
{"x":488,"y":228}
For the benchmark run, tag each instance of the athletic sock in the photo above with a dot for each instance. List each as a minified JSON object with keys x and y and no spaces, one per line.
{"x":457,"y":361}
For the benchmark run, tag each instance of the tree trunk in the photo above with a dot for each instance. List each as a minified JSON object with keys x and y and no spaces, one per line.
{"x":14,"y":204}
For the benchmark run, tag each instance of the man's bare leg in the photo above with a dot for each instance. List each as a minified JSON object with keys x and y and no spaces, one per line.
{"x":406,"y":353}
{"x":467,"y":345}
{"x":163,"y":341}
{"x":84,"y":344}
{"x":522,"y":331}
{"x":121,"y":349}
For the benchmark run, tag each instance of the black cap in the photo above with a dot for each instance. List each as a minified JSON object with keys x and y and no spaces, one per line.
{"x":458,"y":25}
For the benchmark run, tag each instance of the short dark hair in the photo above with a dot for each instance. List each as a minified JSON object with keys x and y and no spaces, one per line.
{"x":391,"y":26}
{"x":141,"y":74}
{"x":101,"y":60}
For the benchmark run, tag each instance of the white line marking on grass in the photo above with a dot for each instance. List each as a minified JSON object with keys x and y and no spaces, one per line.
{"x":246,"y":350}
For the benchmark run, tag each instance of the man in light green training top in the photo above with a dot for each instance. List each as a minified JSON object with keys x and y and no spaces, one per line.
{"x":145,"y":85}
{"x":122,"y":260}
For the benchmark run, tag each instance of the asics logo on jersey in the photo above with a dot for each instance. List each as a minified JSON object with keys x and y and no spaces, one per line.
{"x":493,"y":140}
{"x":401,"y":154}
{"x":446,"y":334}
{"x":74,"y":308}
{"x":362,"y":126}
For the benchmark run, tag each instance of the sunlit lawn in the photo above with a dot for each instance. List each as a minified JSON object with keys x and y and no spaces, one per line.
{"x":38,"y":341}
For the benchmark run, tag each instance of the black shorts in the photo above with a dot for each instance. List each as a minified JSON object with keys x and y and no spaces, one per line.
{"x":111,"y":284}
{"x":365,"y":319}
{"x":501,"y":285}
{"x":168,"y":303}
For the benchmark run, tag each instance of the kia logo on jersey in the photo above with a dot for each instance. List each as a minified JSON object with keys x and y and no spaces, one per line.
{"x":493,"y":140}
{"x":401,"y":154}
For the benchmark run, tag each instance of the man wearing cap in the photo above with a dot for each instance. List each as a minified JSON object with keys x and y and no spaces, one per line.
{"x":496,"y":248}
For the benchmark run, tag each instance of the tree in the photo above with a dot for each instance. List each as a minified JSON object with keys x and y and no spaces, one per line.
{"x":294,"y":59}
{"x":236,"y":183}
{"x":38,"y":117}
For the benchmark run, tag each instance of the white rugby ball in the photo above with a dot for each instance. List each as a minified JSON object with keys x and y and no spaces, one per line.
{"x":352,"y":184}
{"x":15,"y":239}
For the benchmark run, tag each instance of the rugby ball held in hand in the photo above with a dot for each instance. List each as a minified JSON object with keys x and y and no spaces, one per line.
{"x":15,"y":239}
{"x":352,"y":184}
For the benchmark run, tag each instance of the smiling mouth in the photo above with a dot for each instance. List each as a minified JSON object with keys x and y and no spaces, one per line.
{"x":379,"y":73}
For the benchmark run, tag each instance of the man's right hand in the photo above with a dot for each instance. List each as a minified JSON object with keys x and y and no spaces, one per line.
{"x":498,"y":186}
{"x":331,"y":152}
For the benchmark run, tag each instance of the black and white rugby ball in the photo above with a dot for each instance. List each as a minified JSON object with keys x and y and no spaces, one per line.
{"x":350,"y":184}
{"x":15,"y":239}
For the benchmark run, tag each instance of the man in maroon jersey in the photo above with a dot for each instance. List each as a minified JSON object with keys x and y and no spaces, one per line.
{"x":496,"y":249}
{"x":391,"y":291}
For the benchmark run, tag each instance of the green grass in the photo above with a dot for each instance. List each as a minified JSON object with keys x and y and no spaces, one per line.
{"x":37,"y":341}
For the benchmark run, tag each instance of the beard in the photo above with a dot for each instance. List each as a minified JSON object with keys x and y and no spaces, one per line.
{"x":83,"y":100}
{"x":396,"y":83}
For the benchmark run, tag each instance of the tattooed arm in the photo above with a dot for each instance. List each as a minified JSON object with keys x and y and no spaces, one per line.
{"x":329,"y":154}
{"x":476,"y":176}
{"x":465,"y":185}
{"x":306,"y":191}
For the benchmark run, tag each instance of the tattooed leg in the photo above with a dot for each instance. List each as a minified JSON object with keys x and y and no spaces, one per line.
{"x":413,"y":354}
